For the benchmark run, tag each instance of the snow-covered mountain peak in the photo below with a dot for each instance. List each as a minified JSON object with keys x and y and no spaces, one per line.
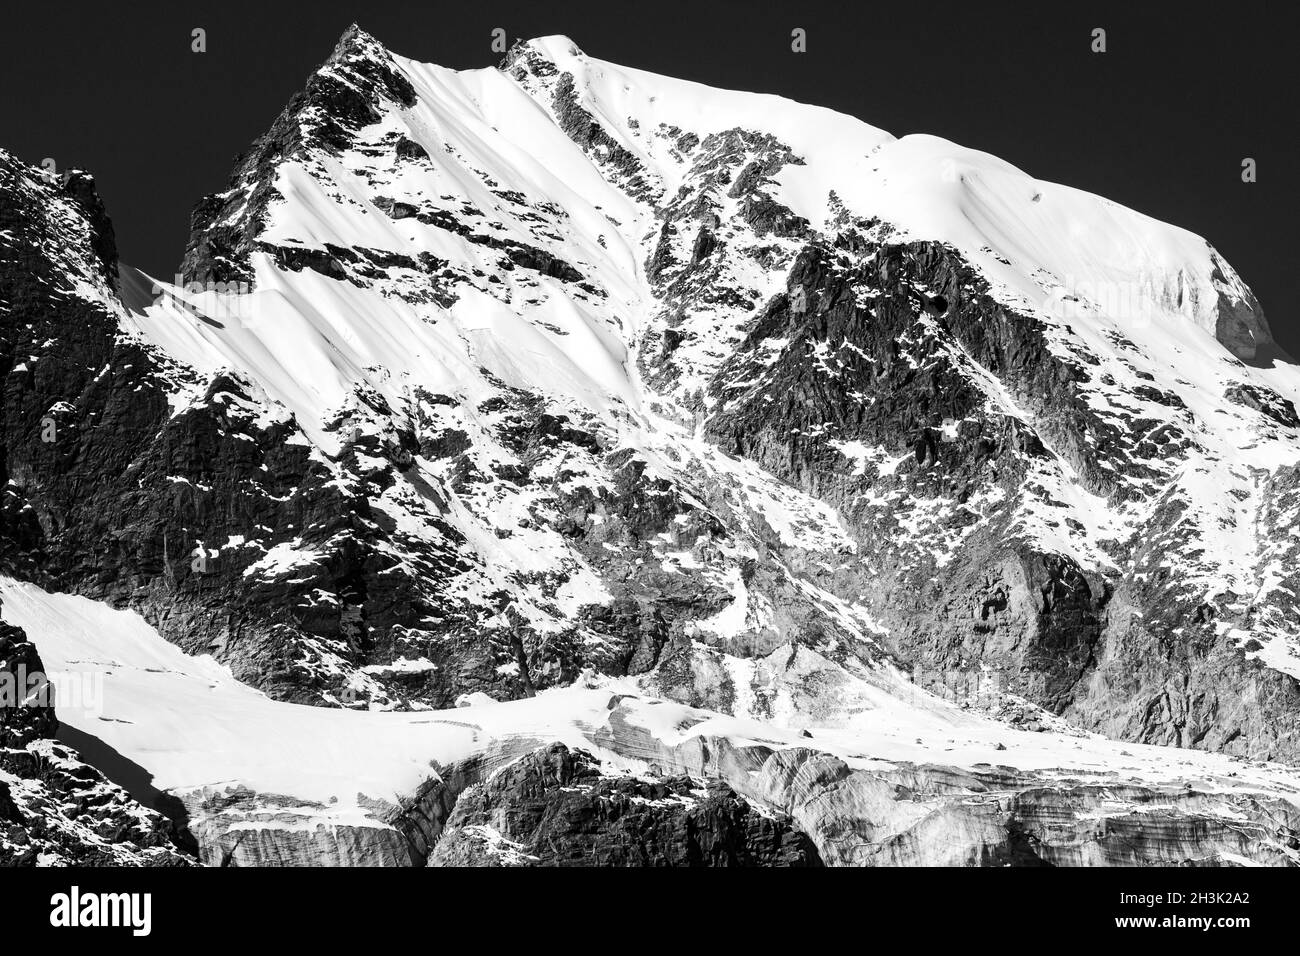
{"x":500,"y":374}
{"x":651,"y":138}
{"x":568,"y":227}
{"x":481,"y":384}
{"x":1043,"y":242}
{"x":355,"y":41}
{"x":557,"y":49}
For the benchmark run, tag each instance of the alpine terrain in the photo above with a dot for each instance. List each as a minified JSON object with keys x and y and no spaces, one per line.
{"x":561,"y":464}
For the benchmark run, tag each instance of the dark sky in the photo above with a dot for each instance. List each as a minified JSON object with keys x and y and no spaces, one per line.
{"x":1160,"y":122}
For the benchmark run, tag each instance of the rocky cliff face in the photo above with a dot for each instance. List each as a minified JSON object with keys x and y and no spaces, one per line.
{"x":715,"y":798}
{"x":555,"y":807}
{"x":477,"y":382}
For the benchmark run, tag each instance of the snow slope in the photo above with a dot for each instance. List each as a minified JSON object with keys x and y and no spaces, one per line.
{"x":1020,"y":231}
{"x":194,"y":728}
{"x":308,"y":340}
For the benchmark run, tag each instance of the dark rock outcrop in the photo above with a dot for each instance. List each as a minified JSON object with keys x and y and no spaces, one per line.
{"x":555,"y":807}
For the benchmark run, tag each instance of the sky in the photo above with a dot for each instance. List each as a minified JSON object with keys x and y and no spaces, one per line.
{"x":1160,"y":122}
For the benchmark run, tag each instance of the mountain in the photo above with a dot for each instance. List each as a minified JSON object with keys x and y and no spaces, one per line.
{"x":563,"y":438}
